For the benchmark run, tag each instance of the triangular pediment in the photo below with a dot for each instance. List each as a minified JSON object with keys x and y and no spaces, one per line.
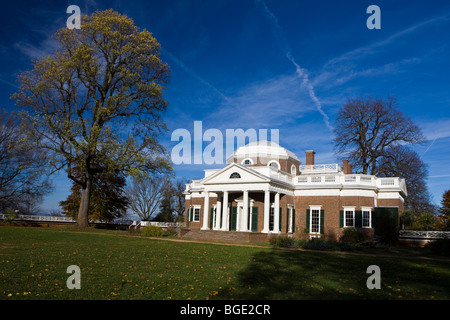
{"x":235,"y":173}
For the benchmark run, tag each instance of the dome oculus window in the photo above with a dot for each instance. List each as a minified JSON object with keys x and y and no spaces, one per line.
{"x":247,"y":162}
{"x":235,"y":175}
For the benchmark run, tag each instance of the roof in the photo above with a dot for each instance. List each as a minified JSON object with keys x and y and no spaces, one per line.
{"x":264,"y":148}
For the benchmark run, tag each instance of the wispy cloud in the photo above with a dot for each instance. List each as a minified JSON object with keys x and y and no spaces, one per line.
{"x":301,"y":72}
{"x":193,"y":74}
{"x":370,"y":49}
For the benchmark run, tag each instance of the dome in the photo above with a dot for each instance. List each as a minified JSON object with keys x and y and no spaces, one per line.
{"x":262,"y":149}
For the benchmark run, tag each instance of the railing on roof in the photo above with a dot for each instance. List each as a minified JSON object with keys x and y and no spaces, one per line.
{"x":351,"y":179}
{"x":334,"y":167}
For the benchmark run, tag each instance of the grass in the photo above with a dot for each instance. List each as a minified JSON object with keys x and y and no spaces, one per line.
{"x":33,"y":264}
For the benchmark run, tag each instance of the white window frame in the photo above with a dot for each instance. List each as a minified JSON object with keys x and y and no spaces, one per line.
{"x":291,"y":223}
{"x":366,"y":209}
{"x":293,"y":170}
{"x":249,"y":164}
{"x":346,"y":209}
{"x":199,"y":207}
{"x":274,"y":161}
{"x":311,"y":208}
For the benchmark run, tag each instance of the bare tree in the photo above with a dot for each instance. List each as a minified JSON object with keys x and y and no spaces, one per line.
{"x":367,"y":127}
{"x":23,"y":179}
{"x":402,"y":161}
{"x":145,"y":195}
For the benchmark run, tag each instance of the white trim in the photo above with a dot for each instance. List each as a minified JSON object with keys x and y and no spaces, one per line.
{"x":199,"y":207}
{"x":294,"y":169}
{"x":251,"y":162}
{"x":274,"y":161}
{"x":311,"y":208}
{"x":351,"y":209}
{"x":370,"y":216}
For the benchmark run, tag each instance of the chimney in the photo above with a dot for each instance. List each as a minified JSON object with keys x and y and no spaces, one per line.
{"x":347,"y":167}
{"x":310,"y":157}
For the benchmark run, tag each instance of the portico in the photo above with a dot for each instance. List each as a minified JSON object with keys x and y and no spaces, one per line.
{"x":235,"y":210}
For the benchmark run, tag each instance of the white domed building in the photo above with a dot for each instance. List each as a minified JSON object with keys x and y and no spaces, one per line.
{"x":266,"y":190}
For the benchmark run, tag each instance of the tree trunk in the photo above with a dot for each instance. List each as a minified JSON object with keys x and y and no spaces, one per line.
{"x":83,"y":211}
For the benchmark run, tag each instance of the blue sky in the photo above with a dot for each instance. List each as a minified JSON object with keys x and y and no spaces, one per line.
{"x":287,"y":65}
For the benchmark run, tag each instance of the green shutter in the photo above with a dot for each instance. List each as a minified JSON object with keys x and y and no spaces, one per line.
{"x":211,"y":218}
{"x":293,"y":220}
{"x":341,"y":218}
{"x":287,"y":220}
{"x":254,"y":219}
{"x":191,"y":213}
{"x":322,"y":220}
{"x":358,"y":219}
{"x":233,"y":218}
{"x":307,"y":219}
{"x":279,"y":223}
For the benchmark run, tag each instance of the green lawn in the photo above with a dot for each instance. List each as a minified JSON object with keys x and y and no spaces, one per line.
{"x":33,"y":264}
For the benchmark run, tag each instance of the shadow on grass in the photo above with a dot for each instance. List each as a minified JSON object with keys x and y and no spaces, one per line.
{"x":281,"y":274}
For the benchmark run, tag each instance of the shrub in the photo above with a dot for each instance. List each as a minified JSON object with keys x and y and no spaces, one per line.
{"x":439,"y":246}
{"x":354,"y":236}
{"x":318,"y":244}
{"x":152,"y":231}
{"x":285,"y":242}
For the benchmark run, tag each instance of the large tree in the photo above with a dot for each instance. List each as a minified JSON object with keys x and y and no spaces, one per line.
{"x":107,"y":201}
{"x":96,"y":102}
{"x":401,"y":161}
{"x":367,"y":127}
{"x":23,"y":173}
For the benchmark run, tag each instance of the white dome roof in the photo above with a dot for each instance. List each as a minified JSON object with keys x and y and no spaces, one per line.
{"x":265,"y":149}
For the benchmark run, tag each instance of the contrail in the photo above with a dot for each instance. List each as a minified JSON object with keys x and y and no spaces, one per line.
{"x":285,"y":47}
{"x":193,"y":74}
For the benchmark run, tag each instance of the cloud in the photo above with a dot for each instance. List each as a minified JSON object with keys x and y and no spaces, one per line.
{"x":362,"y":52}
{"x":285,"y":47}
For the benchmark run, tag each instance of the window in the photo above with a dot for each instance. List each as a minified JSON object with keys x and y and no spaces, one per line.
{"x":247,"y":162}
{"x":349,"y":217}
{"x":274,"y":165}
{"x":271,"y":218}
{"x":315,"y":221}
{"x":366,"y":218}
{"x":293,"y":170}
{"x":314,"y":225}
{"x":196,"y":216}
{"x":235,"y":175}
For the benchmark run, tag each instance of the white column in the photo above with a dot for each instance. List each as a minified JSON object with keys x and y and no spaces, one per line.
{"x":218,"y":212}
{"x":276,"y":214}
{"x":205,"y":212}
{"x":225,"y":211}
{"x":266,"y":211}
{"x":244,"y":220}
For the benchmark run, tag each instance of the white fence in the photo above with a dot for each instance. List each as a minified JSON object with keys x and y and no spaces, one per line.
{"x":424,"y":235}
{"x":158,"y":224}
{"x":24,"y":217}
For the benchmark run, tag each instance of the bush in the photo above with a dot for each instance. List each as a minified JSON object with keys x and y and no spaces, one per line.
{"x":352,"y":235}
{"x":285,"y":242}
{"x":439,"y":246}
{"x":152,"y":231}
{"x":318,"y":244}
